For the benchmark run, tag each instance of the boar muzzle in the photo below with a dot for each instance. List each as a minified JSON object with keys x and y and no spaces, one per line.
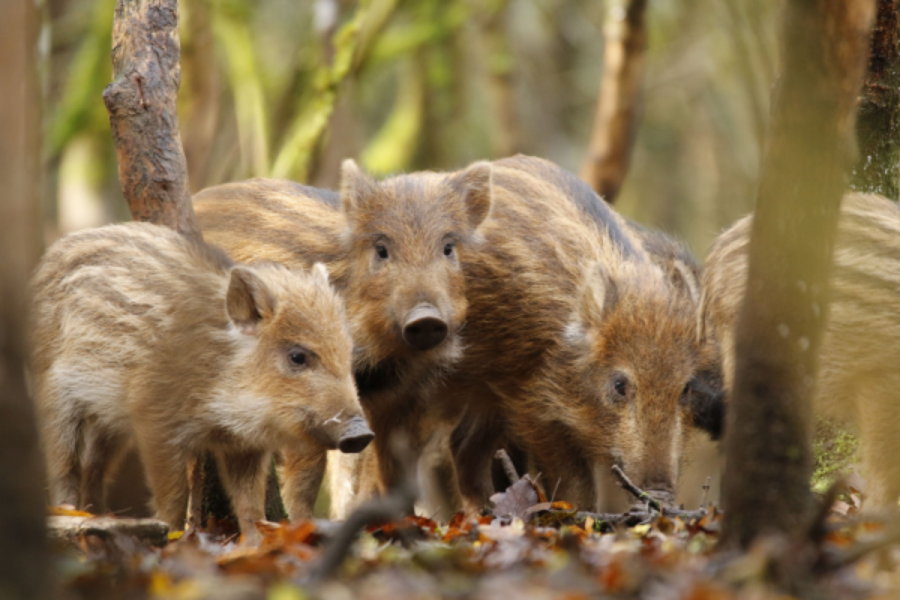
{"x":355,"y":436}
{"x":424,"y":328}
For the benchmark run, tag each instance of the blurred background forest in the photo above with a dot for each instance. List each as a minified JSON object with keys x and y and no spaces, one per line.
{"x":287,"y":88}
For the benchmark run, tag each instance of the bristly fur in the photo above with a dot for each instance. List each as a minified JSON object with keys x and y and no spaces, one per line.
{"x":564,"y":298}
{"x":141,"y":335}
{"x":414,"y":217}
{"x":859,"y":382}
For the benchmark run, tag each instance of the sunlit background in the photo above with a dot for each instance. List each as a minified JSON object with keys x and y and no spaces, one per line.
{"x":287,"y":88}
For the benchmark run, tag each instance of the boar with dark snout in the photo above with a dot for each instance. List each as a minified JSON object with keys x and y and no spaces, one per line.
{"x":581,"y":343}
{"x":858,"y":384}
{"x":141,"y":336}
{"x":394,"y":250}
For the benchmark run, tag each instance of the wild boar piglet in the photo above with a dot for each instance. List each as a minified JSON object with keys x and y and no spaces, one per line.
{"x":140,"y":335}
{"x":858,"y":382}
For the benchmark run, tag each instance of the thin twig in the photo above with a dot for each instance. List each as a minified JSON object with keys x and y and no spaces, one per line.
{"x":635,"y":490}
{"x":508,"y":467}
{"x":553,"y":495}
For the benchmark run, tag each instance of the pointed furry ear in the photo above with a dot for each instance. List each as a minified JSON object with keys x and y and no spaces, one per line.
{"x":599,"y":294}
{"x":356,"y":186}
{"x":320,"y":274}
{"x":248,"y":300}
{"x":474,"y":185}
{"x":683,"y":278}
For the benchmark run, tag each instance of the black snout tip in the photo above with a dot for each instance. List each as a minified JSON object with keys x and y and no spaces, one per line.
{"x":426,"y":333}
{"x":355,"y":444}
{"x":356,"y":436}
{"x":424,"y":327}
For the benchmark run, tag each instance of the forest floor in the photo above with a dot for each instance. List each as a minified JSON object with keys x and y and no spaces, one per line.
{"x":538,"y":550}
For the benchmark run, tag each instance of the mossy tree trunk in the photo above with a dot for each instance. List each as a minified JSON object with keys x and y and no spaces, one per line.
{"x":808,"y":151}
{"x":878,"y":121}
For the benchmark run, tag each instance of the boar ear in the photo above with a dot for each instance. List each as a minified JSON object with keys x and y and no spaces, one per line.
{"x":248,"y":300}
{"x":474,"y":185}
{"x":683,"y":279}
{"x":320,"y":274}
{"x":356,"y":186}
{"x":599,"y":293}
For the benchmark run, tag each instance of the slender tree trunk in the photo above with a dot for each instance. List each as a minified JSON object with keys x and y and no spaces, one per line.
{"x":615,"y":123}
{"x":23,"y":551}
{"x":824,"y":44}
{"x":141,"y":102}
{"x":878,"y":121}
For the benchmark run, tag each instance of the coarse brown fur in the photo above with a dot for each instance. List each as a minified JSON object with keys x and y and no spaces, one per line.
{"x":142,"y":336}
{"x":858,"y":383}
{"x":566,"y":306}
{"x":422,"y":224}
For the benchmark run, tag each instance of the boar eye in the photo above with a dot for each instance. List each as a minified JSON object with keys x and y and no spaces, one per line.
{"x":448,"y":248}
{"x":297,"y":357}
{"x":381,"y":250}
{"x":620,"y":386}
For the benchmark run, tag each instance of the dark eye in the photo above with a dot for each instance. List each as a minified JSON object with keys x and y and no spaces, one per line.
{"x":620,"y":385}
{"x":687,"y":389}
{"x":297,"y":357}
{"x":381,"y":250}
{"x":448,"y":248}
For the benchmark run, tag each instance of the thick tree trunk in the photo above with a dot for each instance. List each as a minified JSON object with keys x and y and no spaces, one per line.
{"x":824,"y":44}
{"x":23,"y":551}
{"x":615,"y":123}
{"x":878,"y":120}
{"x":141,"y":102}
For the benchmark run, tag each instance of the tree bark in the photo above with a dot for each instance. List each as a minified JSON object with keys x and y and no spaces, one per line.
{"x":141,"y":102}
{"x":23,"y":547}
{"x":615,"y":123}
{"x":878,"y":120}
{"x":809,"y":147}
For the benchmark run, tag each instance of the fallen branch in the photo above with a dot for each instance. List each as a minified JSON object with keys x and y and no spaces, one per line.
{"x":395,"y":505}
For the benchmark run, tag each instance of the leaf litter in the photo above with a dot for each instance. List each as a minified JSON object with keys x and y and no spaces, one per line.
{"x":528,"y":548}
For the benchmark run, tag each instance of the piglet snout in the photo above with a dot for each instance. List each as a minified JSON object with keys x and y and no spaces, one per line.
{"x":355,"y":436}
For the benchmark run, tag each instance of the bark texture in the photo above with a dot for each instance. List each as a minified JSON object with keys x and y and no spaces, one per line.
{"x":878,"y":121}
{"x":23,"y":552}
{"x":615,"y":122}
{"x":141,"y":102}
{"x":809,"y":148}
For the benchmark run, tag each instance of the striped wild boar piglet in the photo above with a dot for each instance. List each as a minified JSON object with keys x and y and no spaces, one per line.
{"x":394,"y":251}
{"x":581,"y":342}
{"x":142,"y":336}
{"x":858,"y":385}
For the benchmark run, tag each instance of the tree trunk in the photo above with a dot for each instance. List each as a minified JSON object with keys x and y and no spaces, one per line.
{"x":141,"y":102}
{"x":615,"y":123}
{"x":876,"y":168}
{"x":808,"y":150}
{"x":23,"y":551}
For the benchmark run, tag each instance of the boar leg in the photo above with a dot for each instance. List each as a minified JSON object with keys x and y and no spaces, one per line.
{"x":473,"y":444}
{"x":103,"y":453}
{"x":244,"y":477}
{"x":302,"y":474}
{"x":166,"y":468}
{"x":63,"y":464}
{"x":879,"y":432}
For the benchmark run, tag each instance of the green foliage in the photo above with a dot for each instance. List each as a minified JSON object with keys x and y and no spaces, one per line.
{"x":834,"y":450}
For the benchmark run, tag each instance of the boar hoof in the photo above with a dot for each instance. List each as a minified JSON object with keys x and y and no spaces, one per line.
{"x":424,"y":328}
{"x":356,"y":436}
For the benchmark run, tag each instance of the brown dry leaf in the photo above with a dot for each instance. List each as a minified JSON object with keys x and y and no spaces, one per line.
{"x":517,"y":499}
